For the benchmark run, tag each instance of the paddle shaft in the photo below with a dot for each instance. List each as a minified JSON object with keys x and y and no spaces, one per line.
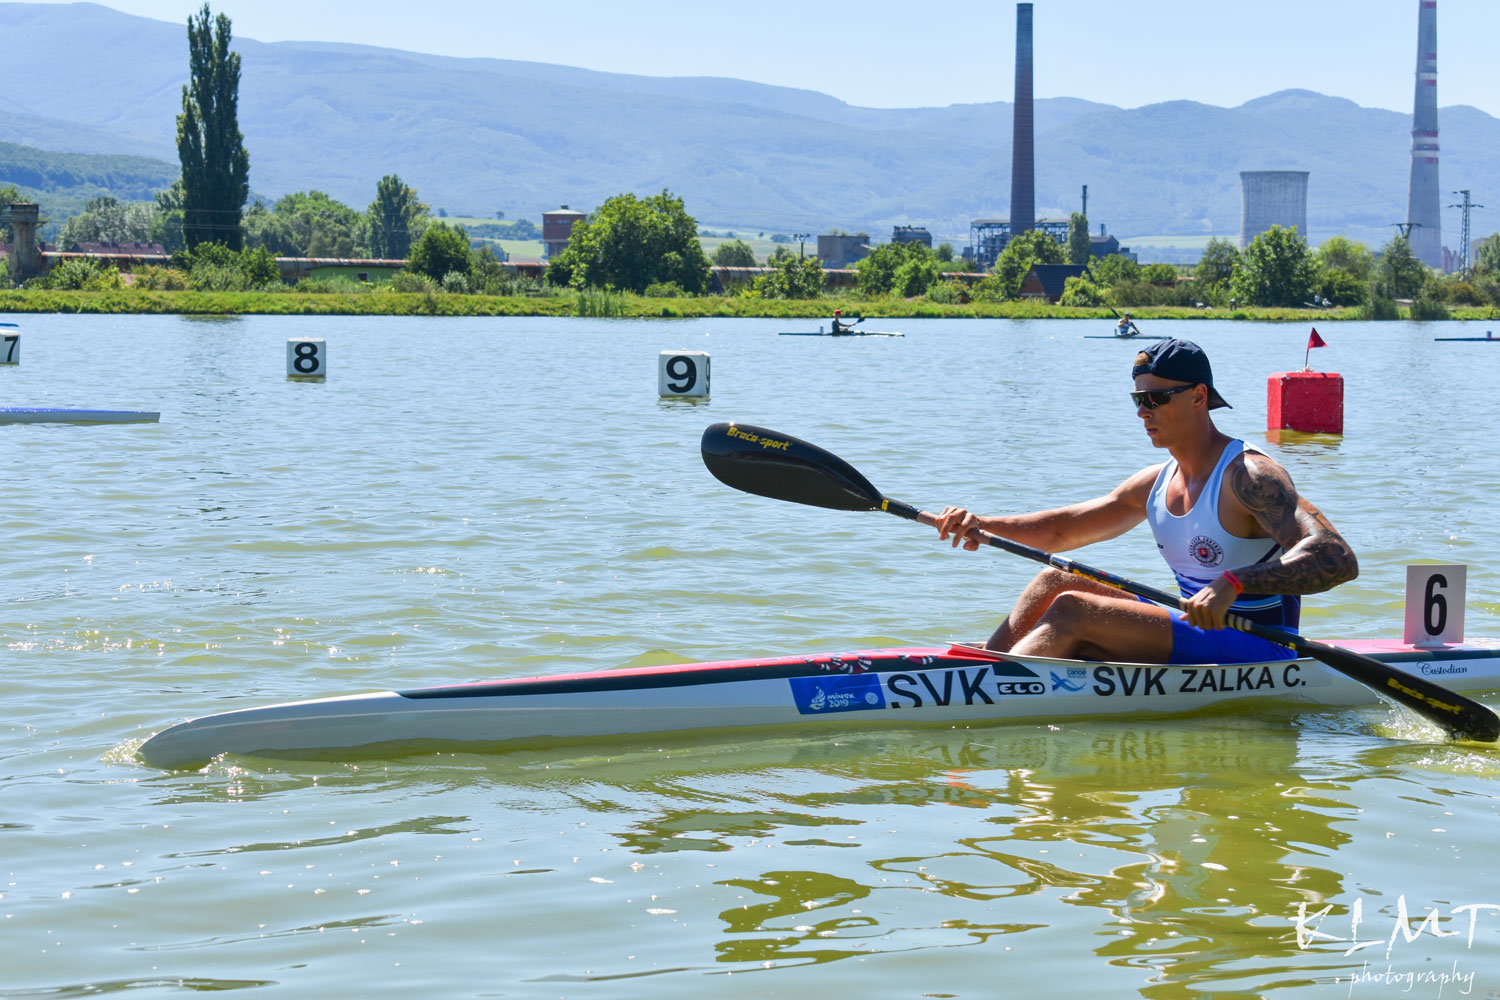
{"x":1458,"y":715}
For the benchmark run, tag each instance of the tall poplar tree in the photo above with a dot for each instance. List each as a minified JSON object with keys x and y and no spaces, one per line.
{"x":215,"y":165}
{"x":393,"y":216}
{"x":1080,"y":245}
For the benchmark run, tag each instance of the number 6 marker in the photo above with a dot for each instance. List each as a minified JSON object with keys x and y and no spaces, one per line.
{"x":1434,"y":605}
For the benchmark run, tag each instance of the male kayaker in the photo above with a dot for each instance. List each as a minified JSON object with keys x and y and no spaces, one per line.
{"x":1226,"y":517}
{"x":1126,"y":327}
{"x":839,"y":326}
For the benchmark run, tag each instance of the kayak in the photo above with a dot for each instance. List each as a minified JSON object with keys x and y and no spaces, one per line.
{"x":61,"y":415}
{"x":1115,"y":336}
{"x":1487,"y":337}
{"x":851,"y":333}
{"x":951,"y":685}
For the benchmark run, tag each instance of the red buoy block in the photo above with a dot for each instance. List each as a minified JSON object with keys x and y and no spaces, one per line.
{"x":1312,"y":402}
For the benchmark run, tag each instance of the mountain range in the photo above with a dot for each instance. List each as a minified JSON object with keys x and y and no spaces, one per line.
{"x":479,"y":135}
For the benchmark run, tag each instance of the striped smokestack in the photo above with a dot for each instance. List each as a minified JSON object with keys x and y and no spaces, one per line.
{"x":1422,"y":203}
{"x":1022,"y":151}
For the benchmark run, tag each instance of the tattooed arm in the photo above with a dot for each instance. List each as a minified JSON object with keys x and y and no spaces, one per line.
{"x":1314,"y":555}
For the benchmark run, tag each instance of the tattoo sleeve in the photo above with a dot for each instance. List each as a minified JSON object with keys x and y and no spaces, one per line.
{"x":1315,"y":556}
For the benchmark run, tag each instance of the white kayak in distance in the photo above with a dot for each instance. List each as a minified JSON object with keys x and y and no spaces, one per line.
{"x":903,"y":686}
{"x":67,"y":415}
{"x":846,"y":333}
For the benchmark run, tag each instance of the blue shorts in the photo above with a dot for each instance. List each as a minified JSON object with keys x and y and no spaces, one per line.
{"x":1191,"y":644}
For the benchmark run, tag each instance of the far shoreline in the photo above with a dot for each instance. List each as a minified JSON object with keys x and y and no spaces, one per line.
{"x":626,"y":306}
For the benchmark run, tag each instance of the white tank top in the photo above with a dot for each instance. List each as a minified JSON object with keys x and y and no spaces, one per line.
{"x":1198,"y":548}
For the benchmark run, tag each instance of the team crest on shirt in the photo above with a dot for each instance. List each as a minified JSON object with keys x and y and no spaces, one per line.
{"x":1205,"y":551}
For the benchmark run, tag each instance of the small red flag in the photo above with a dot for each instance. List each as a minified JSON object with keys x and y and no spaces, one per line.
{"x":1312,"y":341}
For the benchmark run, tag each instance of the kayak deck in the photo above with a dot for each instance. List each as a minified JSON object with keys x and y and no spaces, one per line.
{"x":948,"y":685}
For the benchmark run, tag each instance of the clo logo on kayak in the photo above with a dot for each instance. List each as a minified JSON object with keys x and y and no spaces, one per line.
{"x":1205,"y":551}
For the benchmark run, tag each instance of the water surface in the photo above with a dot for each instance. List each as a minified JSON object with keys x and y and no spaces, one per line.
{"x":475,"y":498}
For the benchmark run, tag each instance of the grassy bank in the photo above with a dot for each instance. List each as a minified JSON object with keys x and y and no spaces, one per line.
{"x":382,"y":303}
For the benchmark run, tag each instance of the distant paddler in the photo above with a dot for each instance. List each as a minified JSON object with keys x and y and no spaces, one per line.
{"x":839,"y":326}
{"x":1126,"y":327}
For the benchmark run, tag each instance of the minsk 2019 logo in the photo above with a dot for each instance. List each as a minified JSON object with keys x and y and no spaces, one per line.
{"x":1205,"y":551}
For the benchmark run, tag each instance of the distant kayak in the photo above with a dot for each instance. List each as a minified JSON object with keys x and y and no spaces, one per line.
{"x":851,"y":333}
{"x":1488,"y":336}
{"x":61,"y":415}
{"x":1113,"y":336}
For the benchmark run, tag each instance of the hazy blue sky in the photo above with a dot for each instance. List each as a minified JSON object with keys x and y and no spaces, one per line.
{"x":884,"y":53}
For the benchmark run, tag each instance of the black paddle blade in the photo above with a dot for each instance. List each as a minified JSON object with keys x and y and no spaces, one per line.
{"x":1463,"y":718}
{"x":771,"y":464}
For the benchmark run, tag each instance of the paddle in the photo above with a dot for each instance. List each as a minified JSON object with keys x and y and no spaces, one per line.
{"x":770,"y":464}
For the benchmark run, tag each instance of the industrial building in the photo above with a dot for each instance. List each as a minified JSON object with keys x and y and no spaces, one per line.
{"x":988,"y":237}
{"x":912,"y":234}
{"x":840,"y":250}
{"x":1272,"y":198}
{"x":557,"y":229}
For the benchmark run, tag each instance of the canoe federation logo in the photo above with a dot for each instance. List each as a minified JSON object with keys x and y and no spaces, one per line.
{"x":837,"y":693}
{"x":1205,"y":551}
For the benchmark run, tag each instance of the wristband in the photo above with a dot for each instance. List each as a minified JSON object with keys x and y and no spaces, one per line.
{"x":1234,"y":581}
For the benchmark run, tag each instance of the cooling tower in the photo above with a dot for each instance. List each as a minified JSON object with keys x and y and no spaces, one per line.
{"x":1272,"y":198}
{"x":1423,"y":208}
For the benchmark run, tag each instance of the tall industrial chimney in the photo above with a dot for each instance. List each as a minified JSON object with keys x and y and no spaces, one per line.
{"x":1022,"y":150}
{"x":1422,"y":202}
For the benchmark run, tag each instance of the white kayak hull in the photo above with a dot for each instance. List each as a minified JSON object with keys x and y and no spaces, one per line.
{"x":850,"y":333}
{"x":952,"y":685}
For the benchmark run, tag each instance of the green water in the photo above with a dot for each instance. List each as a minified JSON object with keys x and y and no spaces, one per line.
{"x":467,"y":499}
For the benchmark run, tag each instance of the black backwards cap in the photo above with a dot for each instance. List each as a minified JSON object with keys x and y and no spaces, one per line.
{"x":1180,"y":361}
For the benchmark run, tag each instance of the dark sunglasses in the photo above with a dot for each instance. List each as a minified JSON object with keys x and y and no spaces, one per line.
{"x":1152,"y":398}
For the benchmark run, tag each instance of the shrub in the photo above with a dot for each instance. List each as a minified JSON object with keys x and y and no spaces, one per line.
{"x":84,"y":274}
{"x":1380,"y":308}
{"x":735,"y":253}
{"x":1081,"y":292}
{"x":441,"y":251}
{"x":520,"y":285}
{"x":947,"y":293}
{"x":664,"y":290}
{"x":160,"y":279}
{"x":1424,"y":309}
{"x":456,"y":283}
{"x":791,"y":278}
{"x":1462,"y":293}
{"x":336,"y":284}
{"x":1340,"y":287}
{"x":1129,"y":292}
{"x":600,"y":302}
{"x":408,"y":282}
{"x":914,"y":276}
{"x":213,"y":267}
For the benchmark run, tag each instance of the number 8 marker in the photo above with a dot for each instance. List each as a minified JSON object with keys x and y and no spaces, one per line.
{"x":306,"y":358}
